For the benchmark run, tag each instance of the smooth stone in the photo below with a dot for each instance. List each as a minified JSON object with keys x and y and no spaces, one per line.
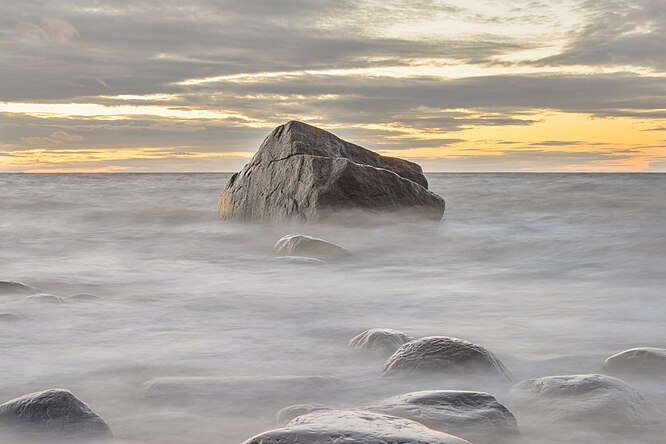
{"x":83,"y":297}
{"x":45,"y":297}
{"x":305,"y":174}
{"x":642,"y":360}
{"x":442,"y":354}
{"x":353,"y":427}
{"x":380,"y":341}
{"x":54,"y":412}
{"x":308,"y":246}
{"x":465,"y":413}
{"x":592,"y":399}
{"x":299,"y":260}
{"x":10,"y":287}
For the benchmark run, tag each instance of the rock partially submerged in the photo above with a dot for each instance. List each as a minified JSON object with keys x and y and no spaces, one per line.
{"x":45,"y":297}
{"x":308,"y":246}
{"x":54,"y":412}
{"x":294,"y":411}
{"x":11,"y":287}
{"x":642,"y":360}
{"x":442,"y":354}
{"x":299,"y":260}
{"x":380,"y":341}
{"x":305,"y":174}
{"x":593,"y":399}
{"x":353,"y":427}
{"x":464,"y":413}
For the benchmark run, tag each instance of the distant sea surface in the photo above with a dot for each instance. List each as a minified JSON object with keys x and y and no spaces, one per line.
{"x":552,"y":272}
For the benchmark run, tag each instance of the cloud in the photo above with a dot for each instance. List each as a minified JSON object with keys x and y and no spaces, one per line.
{"x":49,"y":30}
{"x":56,"y":138}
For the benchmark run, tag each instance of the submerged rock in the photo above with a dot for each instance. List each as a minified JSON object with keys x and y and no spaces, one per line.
{"x":9,"y":317}
{"x":380,"y":341}
{"x":293,"y":411}
{"x":643,"y":360}
{"x":593,"y":399}
{"x":45,"y":297}
{"x":10,"y":287}
{"x":299,"y":260}
{"x":468,"y":414}
{"x":353,"y":427}
{"x":282,"y":389}
{"x":442,"y":354}
{"x":299,"y":245}
{"x":83,"y":297}
{"x":54,"y":412}
{"x":305,"y":174}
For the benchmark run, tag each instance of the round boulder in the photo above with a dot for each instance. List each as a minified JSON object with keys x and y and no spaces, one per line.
{"x":353,"y":426}
{"x":643,"y":360}
{"x":380,"y":341}
{"x":593,"y":399}
{"x":300,"y":245}
{"x":55,"y":412}
{"x":465,"y":413}
{"x":442,"y":354}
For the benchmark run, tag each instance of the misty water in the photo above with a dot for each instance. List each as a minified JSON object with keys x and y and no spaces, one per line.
{"x":552,"y":272}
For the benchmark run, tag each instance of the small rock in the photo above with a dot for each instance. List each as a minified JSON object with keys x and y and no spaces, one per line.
{"x":299,"y":245}
{"x":9,"y":317}
{"x":9,"y":287}
{"x":45,"y":297}
{"x":299,"y":260}
{"x":353,"y":427}
{"x":53,"y":412}
{"x":442,"y":354}
{"x":593,"y":399}
{"x":380,"y":341}
{"x":643,"y":360}
{"x":83,"y":297}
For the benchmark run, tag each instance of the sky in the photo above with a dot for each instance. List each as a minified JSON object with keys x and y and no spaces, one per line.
{"x":457,"y":85}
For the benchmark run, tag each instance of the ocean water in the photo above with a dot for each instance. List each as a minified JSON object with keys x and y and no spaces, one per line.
{"x":552,"y":272}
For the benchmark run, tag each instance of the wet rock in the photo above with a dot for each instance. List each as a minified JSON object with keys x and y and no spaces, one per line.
{"x":442,"y":354}
{"x":299,"y":260}
{"x":643,"y":360}
{"x":305,"y":174}
{"x":10,"y":287}
{"x":380,"y":341}
{"x":83,"y":297}
{"x":9,"y":317}
{"x":54,"y":412}
{"x":293,"y":411}
{"x":353,"y":427}
{"x":593,"y":399}
{"x":45,"y":297}
{"x":463,"y":413}
{"x":299,"y":245}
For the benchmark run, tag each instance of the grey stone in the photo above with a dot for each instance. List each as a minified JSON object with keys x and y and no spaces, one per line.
{"x":593,"y":399}
{"x":45,"y":297}
{"x":54,"y":412}
{"x":300,"y":245}
{"x":464,"y":413}
{"x":642,"y":360}
{"x":353,"y":427}
{"x":293,"y":411}
{"x":380,"y":341}
{"x":10,"y":287}
{"x":442,"y":354}
{"x":305,"y":174}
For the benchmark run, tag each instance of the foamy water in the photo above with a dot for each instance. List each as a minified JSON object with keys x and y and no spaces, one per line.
{"x":552,"y":272}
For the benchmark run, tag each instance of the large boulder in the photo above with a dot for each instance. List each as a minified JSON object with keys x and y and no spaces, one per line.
{"x":305,"y":174}
{"x":592,"y":399}
{"x":442,"y":354}
{"x":353,"y":427}
{"x":380,"y":341}
{"x":308,"y":246}
{"x":54,"y":412}
{"x":464,"y":413}
{"x":643,"y":360}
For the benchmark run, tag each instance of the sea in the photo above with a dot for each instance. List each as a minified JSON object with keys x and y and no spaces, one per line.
{"x":176,"y":327}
